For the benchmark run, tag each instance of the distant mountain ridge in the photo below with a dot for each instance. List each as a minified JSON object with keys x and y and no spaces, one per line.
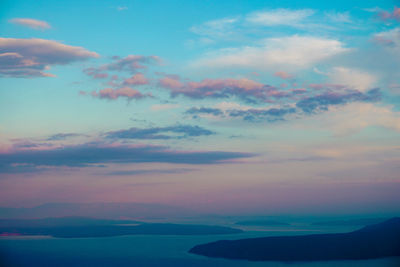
{"x":353,"y":222}
{"x":78,"y":227}
{"x":373,"y":241}
{"x":262,"y":223}
{"x":95,"y":210}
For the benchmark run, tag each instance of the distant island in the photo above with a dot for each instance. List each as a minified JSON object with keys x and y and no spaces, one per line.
{"x":374,"y":241}
{"x":94,"y":210}
{"x":261,"y":223}
{"x":78,"y":227}
{"x":353,"y":222}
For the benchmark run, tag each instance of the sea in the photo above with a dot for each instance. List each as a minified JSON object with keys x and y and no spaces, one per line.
{"x":149,"y":250}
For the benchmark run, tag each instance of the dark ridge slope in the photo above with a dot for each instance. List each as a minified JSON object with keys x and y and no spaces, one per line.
{"x":374,"y":241}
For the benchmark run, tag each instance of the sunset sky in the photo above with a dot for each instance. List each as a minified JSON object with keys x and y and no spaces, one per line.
{"x":231,"y":107}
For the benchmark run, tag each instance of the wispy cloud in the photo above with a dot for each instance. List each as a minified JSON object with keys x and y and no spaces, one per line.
{"x":284,"y":75}
{"x":202,"y":110}
{"x":152,"y":171}
{"x":386,"y":15}
{"x":122,"y":92}
{"x":62,"y":136}
{"x":122,"y":8}
{"x":259,"y":115}
{"x":389,"y":39}
{"x":31,"y":23}
{"x":136,"y":79}
{"x":300,"y":104}
{"x":130,"y":64}
{"x":352,"y":78}
{"x":245,"y":89}
{"x":323,"y":101}
{"x":290,"y":53}
{"x":121,"y":86}
{"x":279,"y":17}
{"x":339,"y":17}
{"x":268,"y":114}
{"x":220,"y":28}
{"x":159,"y":107}
{"x":170,"y":132}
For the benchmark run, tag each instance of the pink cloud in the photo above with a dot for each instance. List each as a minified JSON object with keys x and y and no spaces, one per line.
{"x":245,"y":89}
{"x":127,"y":92}
{"x":31,"y":57}
{"x":283,"y":75}
{"x":137,"y":79}
{"x":385,"y":15}
{"x":255,"y":73}
{"x":31,"y":23}
{"x":170,"y":83}
{"x":130,"y":63}
{"x":245,"y":84}
{"x":14,"y":64}
{"x":95,"y":74}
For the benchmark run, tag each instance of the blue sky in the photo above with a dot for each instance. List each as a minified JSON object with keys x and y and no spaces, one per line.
{"x":302,"y":96}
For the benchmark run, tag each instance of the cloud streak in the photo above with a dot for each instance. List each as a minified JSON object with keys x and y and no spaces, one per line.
{"x":202,"y":110}
{"x":123,"y":92}
{"x":322,"y":102}
{"x":257,"y":115}
{"x":62,"y":136}
{"x":85,"y":155}
{"x":280,"y":17}
{"x":130,"y":64}
{"x":31,"y":23}
{"x":245,"y":89}
{"x":152,"y":171}
{"x":331,"y":95}
{"x":170,"y":132}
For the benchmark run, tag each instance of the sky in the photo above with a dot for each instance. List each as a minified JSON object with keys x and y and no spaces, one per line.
{"x":230,"y":107}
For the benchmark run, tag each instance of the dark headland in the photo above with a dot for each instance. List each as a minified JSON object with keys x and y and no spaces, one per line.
{"x":373,"y":241}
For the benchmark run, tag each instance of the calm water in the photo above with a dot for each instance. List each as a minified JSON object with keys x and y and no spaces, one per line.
{"x":141,"y":250}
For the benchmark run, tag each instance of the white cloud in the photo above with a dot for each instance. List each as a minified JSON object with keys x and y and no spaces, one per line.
{"x":352,"y":78}
{"x":343,"y":17}
{"x":292,"y":52}
{"x":352,"y":118}
{"x":276,"y":17}
{"x":224,"y":28}
{"x":390,"y":39}
{"x":225,"y":106}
